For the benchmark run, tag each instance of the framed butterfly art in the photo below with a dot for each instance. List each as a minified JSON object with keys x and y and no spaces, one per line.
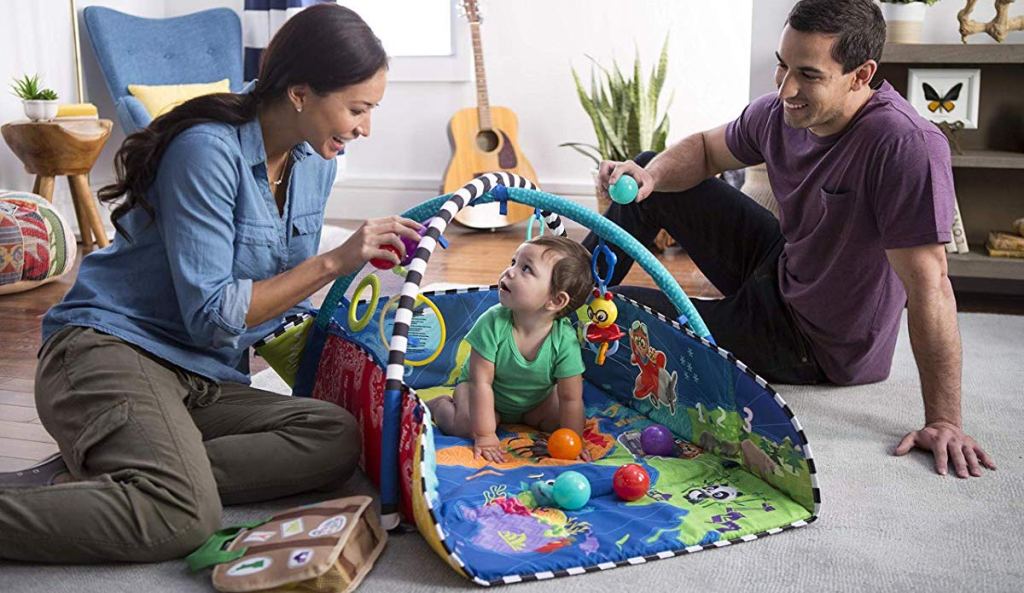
{"x":945,"y":95}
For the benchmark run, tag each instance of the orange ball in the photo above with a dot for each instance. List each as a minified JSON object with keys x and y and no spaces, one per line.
{"x":564,"y":443}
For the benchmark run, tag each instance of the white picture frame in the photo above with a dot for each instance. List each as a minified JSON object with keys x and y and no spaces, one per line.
{"x":933,"y":104}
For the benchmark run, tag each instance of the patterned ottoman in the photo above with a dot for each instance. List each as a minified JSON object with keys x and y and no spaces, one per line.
{"x":36,"y":243}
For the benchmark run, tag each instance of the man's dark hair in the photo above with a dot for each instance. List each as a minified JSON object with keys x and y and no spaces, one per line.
{"x":857,"y":24}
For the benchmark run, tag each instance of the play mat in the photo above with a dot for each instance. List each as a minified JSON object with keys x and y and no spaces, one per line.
{"x":741,"y":467}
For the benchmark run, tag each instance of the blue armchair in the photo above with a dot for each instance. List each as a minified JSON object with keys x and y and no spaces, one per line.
{"x":201,"y":47}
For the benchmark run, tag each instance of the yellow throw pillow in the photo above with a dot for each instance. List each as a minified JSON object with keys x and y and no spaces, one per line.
{"x":77,"y":110}
{"x":159,"y":99}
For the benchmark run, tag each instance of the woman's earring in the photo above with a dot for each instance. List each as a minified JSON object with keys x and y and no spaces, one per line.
{"x":298,"y":108}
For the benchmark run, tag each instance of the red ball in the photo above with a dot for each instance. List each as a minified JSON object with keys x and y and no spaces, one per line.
{"x":631,"y":482}
{"x":385,"y":264}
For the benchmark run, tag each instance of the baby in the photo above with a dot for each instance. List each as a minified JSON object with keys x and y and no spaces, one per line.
{"x":525,"y":366}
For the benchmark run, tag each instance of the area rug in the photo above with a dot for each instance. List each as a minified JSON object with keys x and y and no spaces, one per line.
{"x":887,"y":524}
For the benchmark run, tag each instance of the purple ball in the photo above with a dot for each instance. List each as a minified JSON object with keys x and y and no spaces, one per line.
{"x":410,"y":247}
{"x":410,"y":250}
{"x":658,"y":440}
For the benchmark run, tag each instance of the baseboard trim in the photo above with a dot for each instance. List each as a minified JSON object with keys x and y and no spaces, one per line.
{"x":351,"y":197}
{"x":370,"y":197}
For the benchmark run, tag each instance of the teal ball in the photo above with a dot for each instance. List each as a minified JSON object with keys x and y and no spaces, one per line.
{"x":624,"y":190}
{"x":571,"y":491}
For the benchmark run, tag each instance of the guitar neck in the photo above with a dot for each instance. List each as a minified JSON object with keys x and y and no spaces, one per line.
{"x":482,"y":104}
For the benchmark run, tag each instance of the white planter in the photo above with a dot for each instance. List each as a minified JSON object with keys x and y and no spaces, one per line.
{"x":603,"y":202}
{"x":903,"y":22}
{"x":40,"y":110}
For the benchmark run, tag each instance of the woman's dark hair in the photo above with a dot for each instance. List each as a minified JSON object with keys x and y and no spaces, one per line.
{"x":857,"y":24}
{"x":326,"y":46}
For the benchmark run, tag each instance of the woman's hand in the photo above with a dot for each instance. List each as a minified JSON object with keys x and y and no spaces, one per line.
{"x":488,"y":447}
{"x":368,"y":243}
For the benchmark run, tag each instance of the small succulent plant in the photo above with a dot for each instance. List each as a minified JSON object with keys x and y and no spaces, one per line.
{"x":27,"y":88}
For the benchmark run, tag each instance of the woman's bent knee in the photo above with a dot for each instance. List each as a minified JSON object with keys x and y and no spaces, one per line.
{"x":336,"y":437}
{"x":182,"y":536}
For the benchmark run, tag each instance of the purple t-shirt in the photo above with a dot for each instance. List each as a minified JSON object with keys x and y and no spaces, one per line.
{"x":883,"y":182}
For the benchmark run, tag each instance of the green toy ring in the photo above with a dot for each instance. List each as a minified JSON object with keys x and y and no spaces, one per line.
{"x":419,"y":299}
{"x":358,"y":325}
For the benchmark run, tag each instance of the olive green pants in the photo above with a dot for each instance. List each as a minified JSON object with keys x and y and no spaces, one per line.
{"x":156,"y":451}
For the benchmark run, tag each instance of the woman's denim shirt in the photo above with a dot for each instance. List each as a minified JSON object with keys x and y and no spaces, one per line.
{"x":181,"y":288}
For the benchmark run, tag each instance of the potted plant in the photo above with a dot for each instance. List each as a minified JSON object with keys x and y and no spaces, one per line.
{"x":40,"y":104}
{"x":624,"y":113}
{"x":904,"y":19}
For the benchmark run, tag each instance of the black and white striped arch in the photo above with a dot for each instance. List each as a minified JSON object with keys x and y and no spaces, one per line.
{"x":418,"y":266}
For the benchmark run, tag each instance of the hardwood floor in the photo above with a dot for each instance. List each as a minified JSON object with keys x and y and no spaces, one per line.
{"x":22,"y":439}
{"x":472,"y":258}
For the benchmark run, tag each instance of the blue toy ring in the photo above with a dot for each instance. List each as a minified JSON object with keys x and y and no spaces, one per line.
{"x":610,"y":260}
{"x":612,"y":348}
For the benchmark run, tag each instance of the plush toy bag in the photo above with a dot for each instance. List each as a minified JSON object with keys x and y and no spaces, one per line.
{"x":322,"y":548}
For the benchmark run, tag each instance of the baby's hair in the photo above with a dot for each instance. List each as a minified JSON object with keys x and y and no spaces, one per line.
{"x":571,"y":272}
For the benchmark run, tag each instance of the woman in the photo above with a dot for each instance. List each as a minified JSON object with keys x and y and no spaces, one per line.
{"x":143,"y":375}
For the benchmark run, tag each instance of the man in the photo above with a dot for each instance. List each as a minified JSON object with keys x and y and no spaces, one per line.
{"x":865,"y":193}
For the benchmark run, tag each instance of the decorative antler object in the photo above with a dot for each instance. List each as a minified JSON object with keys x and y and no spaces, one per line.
{"x":997,"y":28}
{"x":951,"y":130}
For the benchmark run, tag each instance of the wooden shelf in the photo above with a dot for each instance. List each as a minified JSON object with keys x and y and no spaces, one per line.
{"x":989,"y":159}
{"x":978,"y":264}
{"x":988,"y":175}
{"x":953,"y":53}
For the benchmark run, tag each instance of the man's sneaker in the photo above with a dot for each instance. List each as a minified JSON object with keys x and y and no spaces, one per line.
{"x":47,"y":472}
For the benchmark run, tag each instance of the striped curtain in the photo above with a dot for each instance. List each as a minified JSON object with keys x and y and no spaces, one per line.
{"x":262,"y":19}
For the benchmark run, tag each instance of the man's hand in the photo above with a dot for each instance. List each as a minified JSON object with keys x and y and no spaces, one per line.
{"x":948,"y":443}
{"x":610,"y":171}
{"x":679,"y":167}
{"x":935,"y":339}
{"x":488,"y":447}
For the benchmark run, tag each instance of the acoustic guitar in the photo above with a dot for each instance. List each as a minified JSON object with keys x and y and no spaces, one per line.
{"x":484,"y":139}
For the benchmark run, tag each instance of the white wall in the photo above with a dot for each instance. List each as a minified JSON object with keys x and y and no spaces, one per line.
{"x":529,"y":47}
{"x":940,"y":26}
{"x":769,"y":19}
{"x":36,"y":38}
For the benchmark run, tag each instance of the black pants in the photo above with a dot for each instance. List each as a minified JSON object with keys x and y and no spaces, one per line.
{"x":736,"y":244}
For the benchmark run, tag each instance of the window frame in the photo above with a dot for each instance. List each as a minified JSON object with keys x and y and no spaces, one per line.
{"x":455,"y":67}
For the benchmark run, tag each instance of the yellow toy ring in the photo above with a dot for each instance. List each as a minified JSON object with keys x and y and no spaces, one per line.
{"x":419,"y":299}
{"x":358,"y":325}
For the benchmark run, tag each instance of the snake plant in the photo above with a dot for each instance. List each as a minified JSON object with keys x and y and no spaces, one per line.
{"x":623,"y":110}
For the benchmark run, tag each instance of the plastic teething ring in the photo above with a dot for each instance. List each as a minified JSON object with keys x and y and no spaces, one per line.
{"x":603,"y":350}
{"x":419,"y":299}
{"x":536,"y":217}
{"x":610,"y":261}
{"x":358,"y":325}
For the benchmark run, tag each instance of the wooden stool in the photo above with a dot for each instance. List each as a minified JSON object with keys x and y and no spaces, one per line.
{"x":63,"y":147}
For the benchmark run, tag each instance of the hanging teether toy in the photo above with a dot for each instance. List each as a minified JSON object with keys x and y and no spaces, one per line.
{"x":601,"y":333}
